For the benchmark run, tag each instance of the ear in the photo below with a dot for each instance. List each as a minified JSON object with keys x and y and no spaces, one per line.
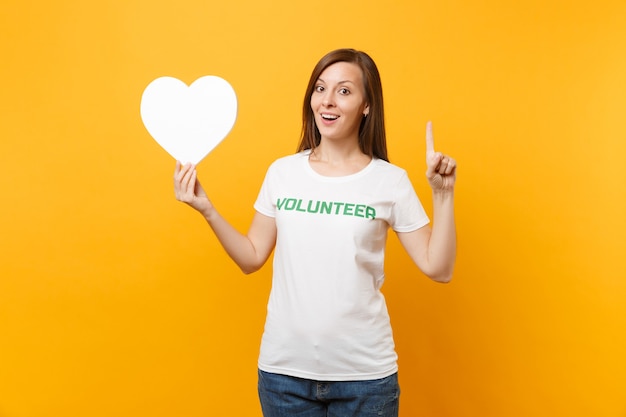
{"x":366,"y":110}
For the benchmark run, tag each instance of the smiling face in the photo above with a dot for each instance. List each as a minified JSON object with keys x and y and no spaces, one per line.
{"x":338,"y":102}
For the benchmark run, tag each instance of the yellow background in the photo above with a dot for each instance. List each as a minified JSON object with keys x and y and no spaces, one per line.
{"x":116,"y":300}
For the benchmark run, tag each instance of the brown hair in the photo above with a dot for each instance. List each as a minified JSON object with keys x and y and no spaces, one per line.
{"x":372,"y":138}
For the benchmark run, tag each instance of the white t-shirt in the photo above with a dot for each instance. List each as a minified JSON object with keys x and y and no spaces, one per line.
{"x":326,"y":317}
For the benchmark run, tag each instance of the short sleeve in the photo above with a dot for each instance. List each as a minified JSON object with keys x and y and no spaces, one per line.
{"x":265,"y":203}
{"x":408,"y":214}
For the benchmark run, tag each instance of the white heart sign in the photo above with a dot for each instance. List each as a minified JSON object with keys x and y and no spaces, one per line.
{"x":189,"y":121}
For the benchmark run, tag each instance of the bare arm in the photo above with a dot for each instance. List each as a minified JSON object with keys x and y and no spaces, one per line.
{"x":434,"y":250}
{"x":249,"y":251}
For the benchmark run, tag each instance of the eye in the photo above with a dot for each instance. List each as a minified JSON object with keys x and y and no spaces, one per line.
{"x":344,"y":91}
{"x":319,"y":88}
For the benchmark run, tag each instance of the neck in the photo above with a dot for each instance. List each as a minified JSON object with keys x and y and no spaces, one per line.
{"x":335,"y":159}
{"x":337,"y":152}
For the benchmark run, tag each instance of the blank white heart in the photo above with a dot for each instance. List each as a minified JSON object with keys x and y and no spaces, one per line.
{"x":189,"y":121}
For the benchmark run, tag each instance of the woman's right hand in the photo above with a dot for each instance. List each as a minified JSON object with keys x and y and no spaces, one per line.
{"x":189,"y":190}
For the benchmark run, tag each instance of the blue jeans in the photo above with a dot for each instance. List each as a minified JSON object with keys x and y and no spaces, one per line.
{"x":287,"y":396}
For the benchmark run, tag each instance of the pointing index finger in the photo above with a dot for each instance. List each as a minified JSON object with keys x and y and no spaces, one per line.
{"x":430,"y":145}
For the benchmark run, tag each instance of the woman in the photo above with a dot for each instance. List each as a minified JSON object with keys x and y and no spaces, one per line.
{"x":327,"y":348}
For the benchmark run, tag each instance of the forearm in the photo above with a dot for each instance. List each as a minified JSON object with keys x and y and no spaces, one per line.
{"x":237,"y":245}
{"x":442,"y":242}
{"x":248,"y":251}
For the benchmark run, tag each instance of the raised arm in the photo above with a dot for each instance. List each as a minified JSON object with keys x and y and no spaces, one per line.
{"x":249,"y":251}
{"x":434,"y":249}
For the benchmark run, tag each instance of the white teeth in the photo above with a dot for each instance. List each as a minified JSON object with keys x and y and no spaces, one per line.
{"x":330,"y":116}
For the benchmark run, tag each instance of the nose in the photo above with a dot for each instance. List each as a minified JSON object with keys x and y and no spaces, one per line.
{"x":327,"y":100}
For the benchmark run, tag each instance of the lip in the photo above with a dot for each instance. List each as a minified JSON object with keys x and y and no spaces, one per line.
{"x":328,"y":121}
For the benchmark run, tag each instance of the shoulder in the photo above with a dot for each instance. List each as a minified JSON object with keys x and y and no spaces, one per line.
{"x":382,"y":167}
{"x":288,"y":164}
{"x":395,"y":179}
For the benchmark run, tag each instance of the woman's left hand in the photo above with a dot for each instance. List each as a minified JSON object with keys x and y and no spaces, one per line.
{"x":441,"y":169}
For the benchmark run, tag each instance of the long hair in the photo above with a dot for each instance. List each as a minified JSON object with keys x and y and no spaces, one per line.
{"x":372,"y":137}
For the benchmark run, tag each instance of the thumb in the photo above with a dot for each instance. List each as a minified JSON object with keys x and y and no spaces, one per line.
{"x":433,"y":161}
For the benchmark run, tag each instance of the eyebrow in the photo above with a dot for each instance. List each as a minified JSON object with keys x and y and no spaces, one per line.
{"x":340,"y":82}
